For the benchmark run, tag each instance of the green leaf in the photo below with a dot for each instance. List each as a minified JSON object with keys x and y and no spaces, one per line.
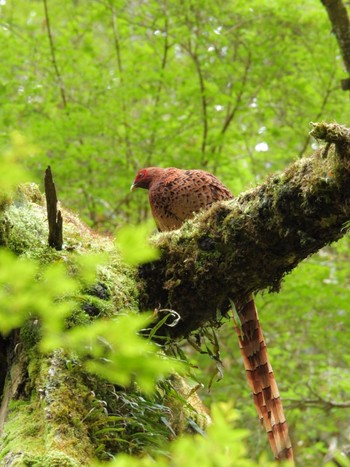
{"x":134,"y":245}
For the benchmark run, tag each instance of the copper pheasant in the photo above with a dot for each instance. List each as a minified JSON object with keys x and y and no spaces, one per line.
{"x":177,"y":195}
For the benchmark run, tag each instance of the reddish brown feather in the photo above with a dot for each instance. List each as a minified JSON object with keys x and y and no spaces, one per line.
{"x":262,"y":380}
{"x":176,"y":195}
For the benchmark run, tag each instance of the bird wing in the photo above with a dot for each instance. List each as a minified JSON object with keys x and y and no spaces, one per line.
{"x":181,"y":194}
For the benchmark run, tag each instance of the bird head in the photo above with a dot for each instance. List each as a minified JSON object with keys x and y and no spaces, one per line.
{"x":141,"y":180}
{"x":144,"y":177}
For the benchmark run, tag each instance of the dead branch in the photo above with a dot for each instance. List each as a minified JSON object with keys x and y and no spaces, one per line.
{"x":54,"y":217}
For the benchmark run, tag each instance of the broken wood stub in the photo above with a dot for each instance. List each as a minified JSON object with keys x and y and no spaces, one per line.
{"x":54,"y":216}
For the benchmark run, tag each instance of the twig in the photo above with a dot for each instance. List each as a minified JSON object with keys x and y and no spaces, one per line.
{"x":329,"y":90}
{"x":54,"y":218}
{"x":53,"y":56}
{"x":159,"y":86}
{"x":192,"y":51}
{"x":231,"y":111}
{"x":128,"y":149}
{"x":204,"y":105}
{"x":317,"y":402}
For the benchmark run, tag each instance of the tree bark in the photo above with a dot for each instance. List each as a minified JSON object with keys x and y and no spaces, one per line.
{"x":248,"y":244}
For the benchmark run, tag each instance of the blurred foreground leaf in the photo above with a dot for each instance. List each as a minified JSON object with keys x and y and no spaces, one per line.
{"x":11,"y":173}
{"x":112,"y":349}
{"x":223,"y":446}
{"x":27,"y":290}
{"x":134,"y":245}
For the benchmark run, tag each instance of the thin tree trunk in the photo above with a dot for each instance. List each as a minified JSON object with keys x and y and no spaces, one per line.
{"x":339,"y":18}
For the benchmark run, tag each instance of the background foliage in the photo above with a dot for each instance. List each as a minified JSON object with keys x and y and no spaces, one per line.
{"x":106,"y":87}
{"x":103,"y":88}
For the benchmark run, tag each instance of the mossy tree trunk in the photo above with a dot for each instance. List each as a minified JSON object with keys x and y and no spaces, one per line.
{"x":45,"y":410}
{"x":52,"y":412}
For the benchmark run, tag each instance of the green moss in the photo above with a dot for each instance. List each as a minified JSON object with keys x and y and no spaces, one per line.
{"x":65,"y":401}
{"x":54,"y":459}
{"x":23,"y":430}
{"x":48,"y":426}
{"x":29,"y":193}
{"x":30,"y":334}
{"x":5,"y":201}
{"x":24,"y":230}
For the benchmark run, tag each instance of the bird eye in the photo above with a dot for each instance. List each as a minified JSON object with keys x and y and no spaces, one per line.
{"x":141,"y":174}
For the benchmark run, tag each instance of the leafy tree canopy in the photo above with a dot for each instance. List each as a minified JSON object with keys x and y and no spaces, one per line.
{"x":104,"y":88}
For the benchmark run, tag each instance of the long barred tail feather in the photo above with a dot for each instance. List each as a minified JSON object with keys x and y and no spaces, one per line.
{"x":261,"y":379}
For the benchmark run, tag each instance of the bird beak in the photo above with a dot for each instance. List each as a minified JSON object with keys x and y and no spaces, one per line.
{"x":133,"y":187}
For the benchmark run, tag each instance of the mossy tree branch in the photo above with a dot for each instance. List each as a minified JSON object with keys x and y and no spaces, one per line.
{"x":248,"y":244}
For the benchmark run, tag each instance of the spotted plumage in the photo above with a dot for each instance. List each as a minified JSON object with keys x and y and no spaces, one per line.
{"x":176,"y":195}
